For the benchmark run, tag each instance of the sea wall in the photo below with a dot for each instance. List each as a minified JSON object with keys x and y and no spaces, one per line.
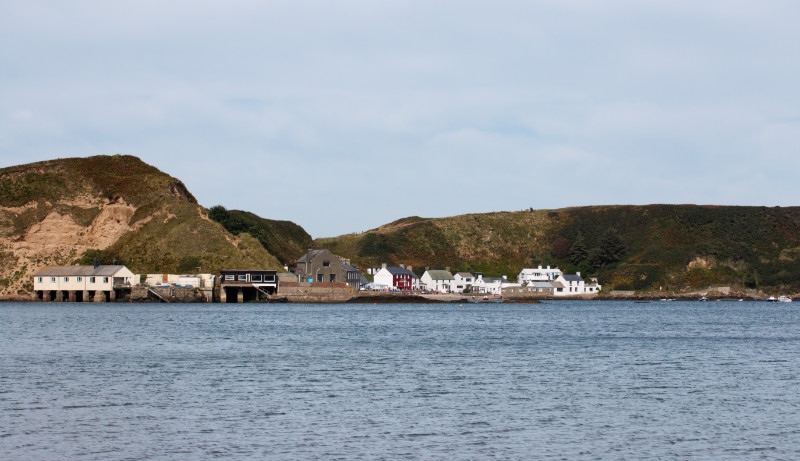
{"x":315,"y":292}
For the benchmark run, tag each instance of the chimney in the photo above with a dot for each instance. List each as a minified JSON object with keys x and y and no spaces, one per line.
{"x":383,"y":265}
{"x":540,"y":266}
{"x":578,"y":274}
{"x":548,"y":267}
{"x":96,"y":262}
{"x":309,"y":254}
{"x":447,"y":269}
{"x":409,"y":268}
{"x":402,"y":266}
{"x":505,"y":277}
{"x":427,"y":268}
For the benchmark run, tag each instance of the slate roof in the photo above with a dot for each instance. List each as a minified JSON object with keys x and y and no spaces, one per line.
{"x":349,"y":268}
{"x":440,"y":275}
{"x":465,"y":274}
{"x":538,"y":284}
{"x":84,"y":271}
{"x":573,"y":278}
{"x":394,"y":270}
{"x":494,"y":279}
{"x":303,"y":258}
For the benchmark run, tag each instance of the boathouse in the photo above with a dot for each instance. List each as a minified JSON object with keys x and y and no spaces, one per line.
{"x":237,"y":286}
{"x":99,"y":283}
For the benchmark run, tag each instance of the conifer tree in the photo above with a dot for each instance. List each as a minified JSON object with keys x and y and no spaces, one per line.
{"x":578,"y":251}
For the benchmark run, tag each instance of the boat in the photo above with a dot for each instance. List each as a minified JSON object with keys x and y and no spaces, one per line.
{"x":703,"y":299}
{"x":784,"y":299}
{"x":772,"y":299}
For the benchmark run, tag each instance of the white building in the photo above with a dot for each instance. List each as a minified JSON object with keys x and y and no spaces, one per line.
{"x":462,"y":281}
{"x":539,"y":274}
{"x":437,"y":281}
{"x":573,"y":284}
{"x":396,"y":278}
{"x":492,"y":285}
{"x":81,"y":283}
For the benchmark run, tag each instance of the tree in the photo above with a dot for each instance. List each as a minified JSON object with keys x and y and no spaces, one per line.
{"x":611,"y":248}
{"x":578,"y":251}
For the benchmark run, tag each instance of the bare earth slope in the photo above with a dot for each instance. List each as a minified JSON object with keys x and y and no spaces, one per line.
{"x":116,"y":207}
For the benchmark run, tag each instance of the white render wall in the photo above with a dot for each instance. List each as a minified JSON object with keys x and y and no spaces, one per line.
{"x":539,"y":274}
{"x":438,"y":286}
{"x":81,"y":282}
{"x":384,"y":277}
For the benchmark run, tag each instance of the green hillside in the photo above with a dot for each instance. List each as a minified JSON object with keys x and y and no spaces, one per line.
{"x":682,"y":247}
{"x":284,"y":239}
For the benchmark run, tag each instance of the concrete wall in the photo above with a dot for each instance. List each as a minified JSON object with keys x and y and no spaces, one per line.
{"x":141,"y":293}
{"x":527,"y":292}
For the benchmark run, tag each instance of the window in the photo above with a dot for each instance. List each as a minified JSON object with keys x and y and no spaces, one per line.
{"x":105,"y":279}
{"x":39,"y":279}
{"x":319,"y":277}
{"x":333,"y":277}
{"x":326,"y":263}
{"x":242,"y":278}
{"x":53,"y":279}
{"x":80,"y":279}
{"x":269,"y":278}
{"x":255,"y":278}
{"x":66,"y":279}
{"x":230,"y":277}
{"x":91,"y":279}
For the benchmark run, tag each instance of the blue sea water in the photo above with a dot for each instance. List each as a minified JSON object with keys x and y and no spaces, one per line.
{"x":562,"y":380}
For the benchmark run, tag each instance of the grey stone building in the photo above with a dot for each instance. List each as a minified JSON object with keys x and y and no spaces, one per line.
{"x":324,"y":266}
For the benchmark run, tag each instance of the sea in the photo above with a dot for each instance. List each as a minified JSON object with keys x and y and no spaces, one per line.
{"x":557,"y":380}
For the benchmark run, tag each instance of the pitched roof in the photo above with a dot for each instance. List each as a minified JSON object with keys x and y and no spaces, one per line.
{"x":303,"y":258}
{"x":573,"y":278}
{"x":540,"y":284}
{"x":493,"y":279}
{"x":349,"y":268}
{"x":440,"y":275}
{"x":84,"y":271}
{"x":394,"y":270}
{"x":465,"y":274}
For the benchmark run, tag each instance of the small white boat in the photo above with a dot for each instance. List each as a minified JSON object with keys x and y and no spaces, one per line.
{"x":784,"y":299}
{"x":703,"y":299}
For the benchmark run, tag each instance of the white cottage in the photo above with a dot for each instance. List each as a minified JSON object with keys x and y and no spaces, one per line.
{"x":437,"y":281}
{"x":573,"y":284}
{"x":492,"y":285}
{"x":462,"y":281}
{"x":396,"y":278}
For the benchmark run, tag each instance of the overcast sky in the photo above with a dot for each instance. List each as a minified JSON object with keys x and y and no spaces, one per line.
{"x":342,"y":116}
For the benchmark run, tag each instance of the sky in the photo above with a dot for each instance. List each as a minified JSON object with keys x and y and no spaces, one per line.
{"x":342,"y":116}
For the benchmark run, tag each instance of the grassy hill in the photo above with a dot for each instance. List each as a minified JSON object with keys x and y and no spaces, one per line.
{"x":284,"y":239}
{"x":682,"y":247}
{"x":114,"y":207}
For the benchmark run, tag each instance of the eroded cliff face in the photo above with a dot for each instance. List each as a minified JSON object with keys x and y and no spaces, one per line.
{"x":52,"y":213}
{"x":58,"y":238}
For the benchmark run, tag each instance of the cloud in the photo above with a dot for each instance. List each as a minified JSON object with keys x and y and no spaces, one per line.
{"x":500,"y":105}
